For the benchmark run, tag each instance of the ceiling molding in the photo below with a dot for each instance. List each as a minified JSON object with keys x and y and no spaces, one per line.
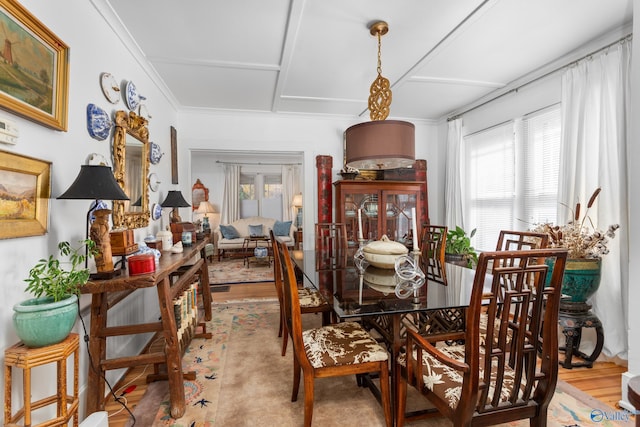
{"x":457,"y":82}
{"x":548,"y":70}
{"x":213,"y":64}
{"x":290,"y":38}
{"x":120,"y":30}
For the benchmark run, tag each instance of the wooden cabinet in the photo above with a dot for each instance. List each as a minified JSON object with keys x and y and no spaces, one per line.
{"x":385,"y":208}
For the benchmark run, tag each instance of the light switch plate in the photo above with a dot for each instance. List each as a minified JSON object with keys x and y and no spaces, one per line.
{"x":8,"y":131}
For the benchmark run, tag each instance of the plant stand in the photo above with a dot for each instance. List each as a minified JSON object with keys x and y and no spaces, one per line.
{"x":573,"y":317}
{"x":22,"y":357}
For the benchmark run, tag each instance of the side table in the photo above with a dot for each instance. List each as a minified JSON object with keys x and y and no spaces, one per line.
{"x":22,"y":357}
{"x":573,"y":317}
{"x":253,"y":243}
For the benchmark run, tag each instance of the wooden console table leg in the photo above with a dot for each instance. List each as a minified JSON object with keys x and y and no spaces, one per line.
{"x":97,"y":352}
{"x":172,"y":349}
{"x":205,"y":289}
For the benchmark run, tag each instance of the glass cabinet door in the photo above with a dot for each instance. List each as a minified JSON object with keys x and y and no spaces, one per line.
{"x":397,"y":209}
{"x":376,"y":208}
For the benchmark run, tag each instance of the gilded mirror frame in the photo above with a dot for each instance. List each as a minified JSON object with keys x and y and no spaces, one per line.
{"x":129,"y":123}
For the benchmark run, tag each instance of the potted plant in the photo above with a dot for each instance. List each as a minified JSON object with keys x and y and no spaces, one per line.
{"x":458,"y":249}
{"x":49,"y":317}
{"x":586,"y":245}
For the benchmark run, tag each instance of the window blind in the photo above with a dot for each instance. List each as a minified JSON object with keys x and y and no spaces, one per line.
{"x":511,"y":175}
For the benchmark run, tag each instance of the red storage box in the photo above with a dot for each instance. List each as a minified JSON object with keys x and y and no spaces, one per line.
{"x":141,"y":264}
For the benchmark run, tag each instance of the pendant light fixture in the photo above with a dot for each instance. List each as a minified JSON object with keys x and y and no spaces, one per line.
{"x":380,"y":144}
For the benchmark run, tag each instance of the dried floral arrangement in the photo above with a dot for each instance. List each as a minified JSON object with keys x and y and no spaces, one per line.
{"x":580,"y":236}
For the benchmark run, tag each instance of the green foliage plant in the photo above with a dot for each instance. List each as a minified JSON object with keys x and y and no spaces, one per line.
{"x":48,"y":278}
{"x":459,"y":243}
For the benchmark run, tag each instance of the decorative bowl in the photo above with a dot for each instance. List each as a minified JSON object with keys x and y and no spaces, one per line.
{"x":384,"y":252}
{"x":348,"y":175}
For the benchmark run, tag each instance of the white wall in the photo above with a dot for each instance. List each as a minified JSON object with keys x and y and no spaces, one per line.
{"x":313,"y":136}
{"x":633,"y":335}
{"x":94,"y":49}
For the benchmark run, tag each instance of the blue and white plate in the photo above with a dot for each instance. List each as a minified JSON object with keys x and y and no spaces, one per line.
{"x":132,"y":97}
{"x":100,"y":205}
{"x":99,"y":123}
{"x":156,"y":212}
{"x":154,"y":154}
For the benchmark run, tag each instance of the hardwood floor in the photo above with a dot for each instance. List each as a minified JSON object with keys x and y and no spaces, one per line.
{"x":603,"y":381}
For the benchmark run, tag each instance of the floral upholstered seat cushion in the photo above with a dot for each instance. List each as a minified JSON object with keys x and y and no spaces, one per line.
{"x":446,"y":382}
{"x":341,"y":344}
{"x":310,"y":298}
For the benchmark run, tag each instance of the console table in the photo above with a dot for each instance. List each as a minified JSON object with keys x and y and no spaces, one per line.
{"x":173,"y":274}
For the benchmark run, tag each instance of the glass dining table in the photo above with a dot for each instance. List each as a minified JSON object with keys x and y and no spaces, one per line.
{"x":372,"y":295}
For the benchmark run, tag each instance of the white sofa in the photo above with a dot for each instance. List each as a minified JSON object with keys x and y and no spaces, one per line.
{"x":223,"y":245}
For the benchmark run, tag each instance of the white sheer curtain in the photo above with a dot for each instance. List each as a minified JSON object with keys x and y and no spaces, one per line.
{"x":452,"y":188}
{"x":231,"y":199}
{"x":290,"y":187}
{"x":595,"y":120}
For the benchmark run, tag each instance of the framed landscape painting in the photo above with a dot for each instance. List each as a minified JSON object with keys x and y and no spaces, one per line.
{"x":25,"y":188}
{"x":34,"y":68}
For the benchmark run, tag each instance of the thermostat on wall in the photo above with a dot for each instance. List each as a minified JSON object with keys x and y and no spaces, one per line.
{"x":8,"y":131}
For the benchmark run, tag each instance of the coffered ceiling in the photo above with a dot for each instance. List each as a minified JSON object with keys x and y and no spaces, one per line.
{"x":318,"y":57}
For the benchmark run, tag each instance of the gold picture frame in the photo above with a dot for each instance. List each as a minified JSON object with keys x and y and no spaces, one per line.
{"x":25,"y":189}
{"x":34,"y":68}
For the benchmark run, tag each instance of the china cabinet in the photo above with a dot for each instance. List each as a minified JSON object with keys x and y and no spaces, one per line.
{"x":381,"y":207}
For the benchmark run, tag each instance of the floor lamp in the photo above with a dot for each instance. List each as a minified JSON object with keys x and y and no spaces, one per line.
{"x":96,"y":182}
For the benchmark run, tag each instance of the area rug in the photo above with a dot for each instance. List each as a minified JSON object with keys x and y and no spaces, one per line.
{"x":232,"y":271}
{"x":242,"y":380}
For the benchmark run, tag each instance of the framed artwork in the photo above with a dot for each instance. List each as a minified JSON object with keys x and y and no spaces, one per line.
{"x":174,"y":155}
{"x":25,"y":188}
{"x":199,"y":193}
{"x":34,"y":68}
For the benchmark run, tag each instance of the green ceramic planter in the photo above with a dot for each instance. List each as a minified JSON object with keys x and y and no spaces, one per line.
{"x":41,"y":321}
{"x":581,"y":278}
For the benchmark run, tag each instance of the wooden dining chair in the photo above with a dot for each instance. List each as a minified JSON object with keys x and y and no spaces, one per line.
{"x":328,"y":351}
{"x":521,"y":240}
{"x":310,"y":299}
{"x":432,"y":245}
{"x":331,"y":237}
{"x":509,"y":372}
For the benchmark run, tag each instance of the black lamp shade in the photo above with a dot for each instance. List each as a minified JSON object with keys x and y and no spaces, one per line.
{"x":95,"y":182}
{"x":174,"y":200}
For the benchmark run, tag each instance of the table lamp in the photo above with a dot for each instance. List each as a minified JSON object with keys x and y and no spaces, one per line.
{"x":297,"y":203}
{"x":175,"y":200}
{"x":205,"y":208}
{"x":96,"y":182}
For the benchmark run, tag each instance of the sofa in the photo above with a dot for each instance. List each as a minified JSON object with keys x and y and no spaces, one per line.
{"x":226,"y":241}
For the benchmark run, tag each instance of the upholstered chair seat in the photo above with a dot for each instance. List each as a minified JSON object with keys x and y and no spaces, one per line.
{"x":446,"y":382}
{"x":339,"y":344}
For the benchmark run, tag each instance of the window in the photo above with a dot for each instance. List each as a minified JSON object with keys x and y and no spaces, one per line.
{"x":511,"y":177}
{"x":247,"y":187}
{"x":261,"y":195}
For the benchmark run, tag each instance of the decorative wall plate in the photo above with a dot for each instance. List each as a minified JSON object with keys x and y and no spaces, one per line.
{"x":154,"y":182}
{"x":132,"y":97}
{"x":144,"y":112}
{"x":156,"y":212}
{"x":154,"y":153}
{"x":99,"y":122}
{"x":110,"y":88}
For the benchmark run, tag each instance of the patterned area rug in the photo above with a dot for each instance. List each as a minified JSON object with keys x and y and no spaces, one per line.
{"x":243,"y":381}
{"x":235,"y":271}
